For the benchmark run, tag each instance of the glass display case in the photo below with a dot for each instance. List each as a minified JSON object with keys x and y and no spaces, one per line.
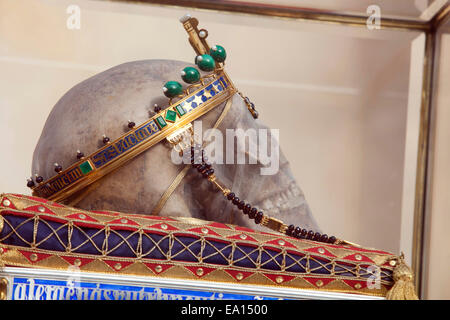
{"x":357,"y":90}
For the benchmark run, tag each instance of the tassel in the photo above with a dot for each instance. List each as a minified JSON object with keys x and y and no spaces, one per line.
{"x":403,"y":288}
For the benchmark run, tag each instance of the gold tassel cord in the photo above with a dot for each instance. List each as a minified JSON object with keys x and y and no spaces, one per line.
{"x":403,"y":288}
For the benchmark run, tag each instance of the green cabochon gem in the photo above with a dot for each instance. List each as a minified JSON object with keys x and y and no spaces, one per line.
{"x":172,"y":89}
{"x":190,"y":75}
{"x":218,"y":53}
{"x":205,"y":62}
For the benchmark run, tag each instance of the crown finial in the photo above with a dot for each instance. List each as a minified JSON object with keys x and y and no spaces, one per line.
{"x":197,"y":40}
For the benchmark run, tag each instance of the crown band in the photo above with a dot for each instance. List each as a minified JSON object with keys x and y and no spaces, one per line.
{"x":137,"y":140}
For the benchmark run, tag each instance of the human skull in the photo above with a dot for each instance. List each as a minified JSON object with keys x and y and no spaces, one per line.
{"x":105,"y":102}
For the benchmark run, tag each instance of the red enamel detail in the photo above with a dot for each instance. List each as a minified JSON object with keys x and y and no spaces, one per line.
{"x":128,"y":222}
{"x":313,"y":281}
{"x":316,"y":250}
{"x":82,"y":217}
{"x":273,"y":277}
{"x":71,"y":260}
{"x":158,"y":226}
{"x":11,"y":205}
{"x":36,"y":209}
{"x":152,"y":266}
{"x":234,"y":273}
{"x":286,"y":243}
{"x":113,"y":263}
{"x":352,"y":257}
{"x":352,"y":283}
{"x":238,"y":237}
{"x":199,"y":230}
{"x":40,"y":256}
{"x":194,"y":269}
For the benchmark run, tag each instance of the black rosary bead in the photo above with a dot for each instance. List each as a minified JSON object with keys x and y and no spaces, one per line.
{"x":236,"y":200}
{"x":259,"y":217}
{"x":332,"y":239}
{"x":303,"y":233}
{"x":231,"y":196}
{"x":30,"y":183}
{"x":252,"y":213}
{"x":247,"y":208}
{"x":290,"y":229}
{"x":300,"y":233}
{"x":39,"y":179}
{"x":201,"y":168}
{"x":241,"y":204}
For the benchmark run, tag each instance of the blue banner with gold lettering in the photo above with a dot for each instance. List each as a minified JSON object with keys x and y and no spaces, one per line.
{"x":26,"y":288}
